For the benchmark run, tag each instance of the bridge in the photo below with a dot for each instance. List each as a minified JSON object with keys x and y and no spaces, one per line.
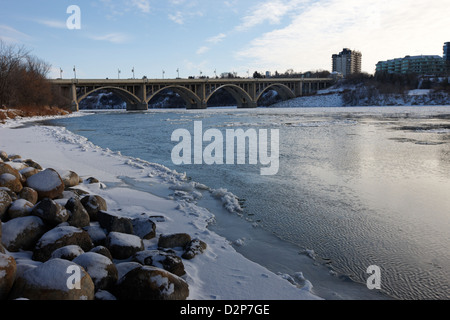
{"x":195,"y":92}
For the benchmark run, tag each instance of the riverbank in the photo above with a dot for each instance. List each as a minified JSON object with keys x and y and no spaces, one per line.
{"x":8,"y":114}
{"x":220,"y":273}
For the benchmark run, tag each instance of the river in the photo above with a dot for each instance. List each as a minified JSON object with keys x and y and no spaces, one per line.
{"x":356,"y":187}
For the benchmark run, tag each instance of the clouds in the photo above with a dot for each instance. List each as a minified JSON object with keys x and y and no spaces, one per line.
{"x":317,"y":29}
{"x":11,"y":35}
{"x":116,"y":38}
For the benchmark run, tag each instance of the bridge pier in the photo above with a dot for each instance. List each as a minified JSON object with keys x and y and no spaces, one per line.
{"x":142,"y":106}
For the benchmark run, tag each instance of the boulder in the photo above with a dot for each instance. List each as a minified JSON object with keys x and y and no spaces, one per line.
{"x":97,"y":234}
{"x":20,"y":208}
{"x":29,"y":194}
{"x":60,"y":237}
{"x":194,"y":248}
{"x":32,"y":164}
{"x":78,"y":216}
{"x":103,"y":251}
{"x":11,"y":182}
{"x":7,"y":168}
{"x":5,"y":202}
{"x":91,"y":180}
{"x":166,"y":260}
{"x":124,"y":267}
{"x":69,"y":252}
{"x":93,"y":204}
{"x":144,"y":228}
{"x":47,"y":183}
{"x":70,"y":178}
{"x":3,"y":155}
{"x":122,"y":245}
{"x":174,"y":240}
{"x":151,"y":283}
{"x":56,"y":279}
{"x":101,"y":269}
{"x":112,"y":222}
{"x":7,"y":275}
{"x":51,"y":212}
{"x":22,"y":233}
{"x":28,"y":172}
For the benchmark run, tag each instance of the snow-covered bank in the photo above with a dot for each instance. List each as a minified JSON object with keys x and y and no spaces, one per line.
{"x":220,"y":273}
{"x":365,"y":96}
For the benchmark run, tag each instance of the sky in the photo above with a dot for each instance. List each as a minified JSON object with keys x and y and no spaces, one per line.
{"x":171,"y":38}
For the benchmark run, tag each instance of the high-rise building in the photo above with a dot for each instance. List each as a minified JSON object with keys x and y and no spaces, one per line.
{"x":347,"y":62}
{"x":447,"y":51}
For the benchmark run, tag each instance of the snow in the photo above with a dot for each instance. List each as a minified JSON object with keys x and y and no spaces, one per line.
{"x":219,"y":273}
{"x":46,"y":180}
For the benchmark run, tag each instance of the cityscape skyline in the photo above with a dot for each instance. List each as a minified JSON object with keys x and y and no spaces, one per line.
{"x":179,"y":38}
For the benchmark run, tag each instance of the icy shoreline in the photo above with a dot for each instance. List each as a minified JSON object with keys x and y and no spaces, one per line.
{"x":220,"y":273}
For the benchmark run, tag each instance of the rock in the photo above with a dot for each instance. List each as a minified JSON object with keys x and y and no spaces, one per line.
{"x":6,"y":168}
{"x":97,"y":234}
{"x":51,"y":212}
{"x":7,"y":275}
{"x":103,"y":251}
{"x":20,"y":208}
{"x":150,"y":283}
{"x":5,"y":202}
{"x":11,"y":182}
{"x":47,"y":183}
{"x":69,"y":252}
{"x":101,"y":269}
{"x":3,"y":155}
{"x":124,"y":267}
{"x":122,"y":245}
{"x":70,"y":178}
{"x":91,"y":180}
{"x":174,"y":240}
{"x":12,"y":157}
{"x":60,"y":237}
{"x":22,"y":233}
{"x":2,"y":250}
{"x":78,"y":216}
{"x":55,"y":279}
{"x":93,"y":204}
{"x":28,"y":172}
{"x":194,"y":248}
{"x":33,"y":164}
{"x":161,"y":259}
{"x":144,"y":228}
{"x":29,"y":194}
{"x":114,"y":223}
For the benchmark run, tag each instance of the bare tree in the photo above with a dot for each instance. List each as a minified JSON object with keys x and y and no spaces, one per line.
{"x":23,"y":78}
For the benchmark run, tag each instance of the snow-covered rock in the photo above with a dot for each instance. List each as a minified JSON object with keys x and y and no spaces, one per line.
{"x":101,"y":269}
{"x":47,"y":183}
{"x":60,"y":237}
{"x":51,"y":281}
{"x":151,"y":283}
{"x":22,"y":233}
{"x":122,"y":245}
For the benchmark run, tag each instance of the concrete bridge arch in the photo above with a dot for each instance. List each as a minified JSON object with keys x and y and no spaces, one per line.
{"x":283,"y":91}
{"x":130,"y":99}
{"x":243,"y":99}
{"x":191,"y":99}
